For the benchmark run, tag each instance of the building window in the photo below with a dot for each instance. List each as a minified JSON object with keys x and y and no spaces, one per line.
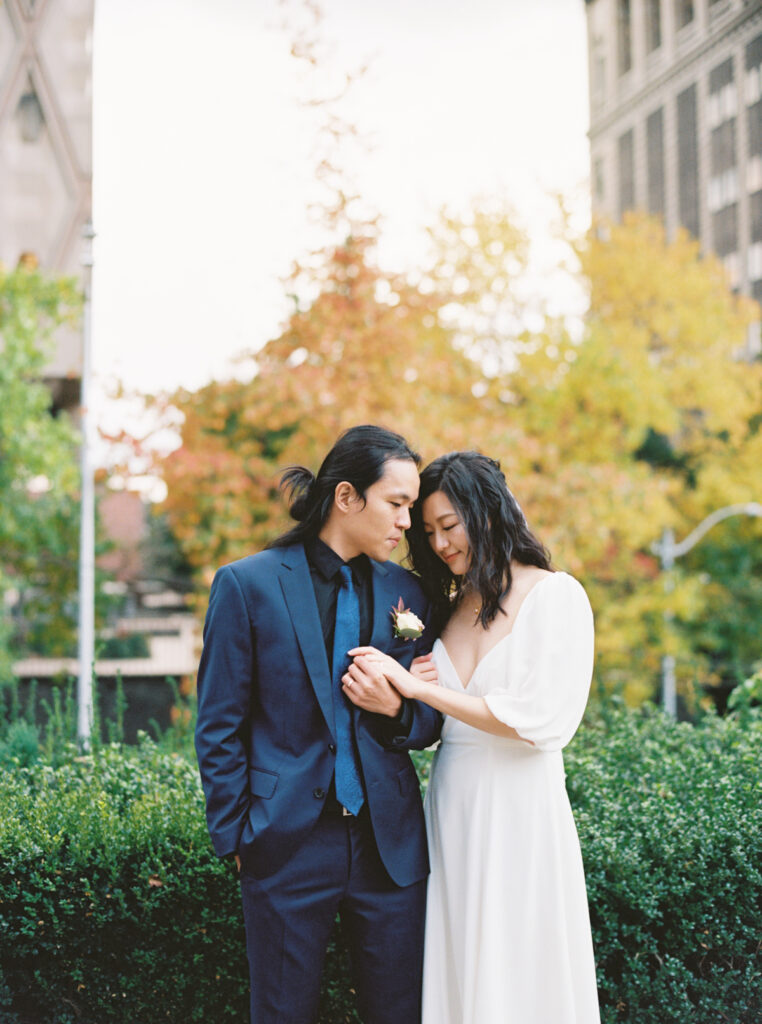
{"x":722,"y":147}
{"x":723,"y":171}
{"x":754,"y":71}
{"x":687,"y":161}
{"x":725,"y":231}
{"x":683,"y":12}
{"x":754,"y":114}
{"x":624,"y":35}
{"x":755,"y":262}
{"x":754,"y":53}
{"x":753,"y":85}
{"x":721,"y":76}
{"x":626,"y":148}
{"x":754,"y":124}
{"x":655,"y":150}
{"x":754,"y":173}
{"x":723,"y":189}
{"x":653,"y":25}
{"x":755,"y":209}
{"x":721,"y":105}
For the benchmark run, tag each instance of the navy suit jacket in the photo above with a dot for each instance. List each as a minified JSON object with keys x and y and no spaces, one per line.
{"x":265,"y":736}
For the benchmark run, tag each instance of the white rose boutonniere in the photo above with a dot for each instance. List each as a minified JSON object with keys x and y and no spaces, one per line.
{"x":407,"y":625}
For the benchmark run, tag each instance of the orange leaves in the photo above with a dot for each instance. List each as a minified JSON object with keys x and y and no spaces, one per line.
{"x":641,"y":422}
{"x":352,"y":356}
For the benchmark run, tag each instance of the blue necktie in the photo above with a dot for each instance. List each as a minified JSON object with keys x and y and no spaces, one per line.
{"x":349,"y":791}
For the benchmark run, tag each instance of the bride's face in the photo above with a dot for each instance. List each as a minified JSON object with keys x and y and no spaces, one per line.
{"x":446,"y":533}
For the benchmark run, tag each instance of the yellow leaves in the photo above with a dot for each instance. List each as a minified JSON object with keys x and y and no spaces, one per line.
{"x":352,"y":356}
{"x":662,"y":300}
{"x":606,"y":439}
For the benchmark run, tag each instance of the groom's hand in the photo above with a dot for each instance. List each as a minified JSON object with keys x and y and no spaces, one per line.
{"x":368,"y":688}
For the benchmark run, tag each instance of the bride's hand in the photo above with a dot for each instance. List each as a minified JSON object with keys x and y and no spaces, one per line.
{"x":368,"y":659}
{"x":423,"y":668}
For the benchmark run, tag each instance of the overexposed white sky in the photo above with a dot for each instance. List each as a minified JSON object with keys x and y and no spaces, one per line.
{"x":202,"y":169}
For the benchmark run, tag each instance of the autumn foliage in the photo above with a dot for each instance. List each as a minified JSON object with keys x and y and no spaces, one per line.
{"x":648,"y":420}
{"x":370,"y":348}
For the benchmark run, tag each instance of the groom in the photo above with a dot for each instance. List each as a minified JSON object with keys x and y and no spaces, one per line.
{"x":308,"y":783}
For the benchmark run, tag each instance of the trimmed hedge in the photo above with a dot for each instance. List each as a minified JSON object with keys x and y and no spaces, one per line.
{"x":670,"y":821}
{"x":114,"y":910}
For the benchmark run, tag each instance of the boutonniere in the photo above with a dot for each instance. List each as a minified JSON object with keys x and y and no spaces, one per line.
{"x":407,"y":625}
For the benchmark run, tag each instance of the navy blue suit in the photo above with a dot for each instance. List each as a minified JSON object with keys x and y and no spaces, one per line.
{"x":266,"y":748}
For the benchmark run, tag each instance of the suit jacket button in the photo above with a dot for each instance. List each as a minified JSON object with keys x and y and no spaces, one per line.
{"x":318,"y":793}
{"x":332,"y":747}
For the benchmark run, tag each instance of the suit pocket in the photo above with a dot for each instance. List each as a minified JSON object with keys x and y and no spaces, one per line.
{"x":262,"y":782}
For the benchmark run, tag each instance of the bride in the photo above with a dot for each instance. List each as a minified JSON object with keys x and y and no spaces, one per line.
{"x":507,"y":926}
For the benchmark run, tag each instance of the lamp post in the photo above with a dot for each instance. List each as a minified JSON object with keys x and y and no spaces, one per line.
{"x":668,"y":551}
{"x":86,"y":620}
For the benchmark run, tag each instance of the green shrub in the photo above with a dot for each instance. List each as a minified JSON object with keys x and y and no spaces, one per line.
{"x":114,"y":909}
{"x":125,"y":645}
{"x":113,"y":906}
{"x":21,"y":744}
{"x":670,"y":821}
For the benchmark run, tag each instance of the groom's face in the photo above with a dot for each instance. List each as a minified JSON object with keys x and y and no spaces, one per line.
{"x":375,"y":528}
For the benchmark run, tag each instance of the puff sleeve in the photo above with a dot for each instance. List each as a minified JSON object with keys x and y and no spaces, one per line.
{"x":545,"y":694}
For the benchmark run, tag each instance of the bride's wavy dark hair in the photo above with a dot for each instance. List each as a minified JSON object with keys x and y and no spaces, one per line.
{"x":495,"y":526}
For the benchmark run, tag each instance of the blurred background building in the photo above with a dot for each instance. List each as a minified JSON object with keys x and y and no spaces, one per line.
{"x":46,"y":126}
{"x":46,"y":151}
{"x":676,"y":122}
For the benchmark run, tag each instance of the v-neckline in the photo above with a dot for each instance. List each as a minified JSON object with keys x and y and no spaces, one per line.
{"x":497,"y":643}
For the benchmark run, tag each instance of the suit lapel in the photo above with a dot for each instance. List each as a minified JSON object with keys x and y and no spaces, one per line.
{"x":383,"y":601}
{"x":296,"y":584}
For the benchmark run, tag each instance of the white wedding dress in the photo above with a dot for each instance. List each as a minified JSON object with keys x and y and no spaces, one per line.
{"x":507,"y":928}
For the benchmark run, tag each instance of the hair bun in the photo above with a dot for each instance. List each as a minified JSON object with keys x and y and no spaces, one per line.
{"x":298,"y":482}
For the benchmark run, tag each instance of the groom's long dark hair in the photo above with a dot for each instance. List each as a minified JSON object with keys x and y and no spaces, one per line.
{"x":359,"y":457}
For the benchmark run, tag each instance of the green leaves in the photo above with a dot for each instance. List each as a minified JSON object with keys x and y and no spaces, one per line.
{"x":38,"y":465}
{"x":108,"y":883}
{"x":670,"y":824}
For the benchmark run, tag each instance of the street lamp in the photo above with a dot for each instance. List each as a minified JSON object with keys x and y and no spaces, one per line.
{"x":668,"y":551}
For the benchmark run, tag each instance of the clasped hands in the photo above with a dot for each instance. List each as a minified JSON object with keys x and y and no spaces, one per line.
{"x":376,"y":682}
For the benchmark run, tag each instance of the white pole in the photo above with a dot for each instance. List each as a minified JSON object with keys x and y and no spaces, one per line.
{"x":86,"y":624}
{"x":668,"y":679}
{"x":668,"y":551}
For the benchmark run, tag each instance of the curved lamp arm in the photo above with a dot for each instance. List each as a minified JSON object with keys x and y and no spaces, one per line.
{"x":668,"y":551}
{"x":751,"y":508}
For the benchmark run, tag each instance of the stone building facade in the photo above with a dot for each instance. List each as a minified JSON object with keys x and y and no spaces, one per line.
{"x":676,"y":122}
{"x":46,"y":150}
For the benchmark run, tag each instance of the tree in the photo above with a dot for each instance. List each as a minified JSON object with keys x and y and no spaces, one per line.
{"x":38,"y":467}
{"x":650,"y":421}
{"x":646,"y":418}
{"x":369,"y":348}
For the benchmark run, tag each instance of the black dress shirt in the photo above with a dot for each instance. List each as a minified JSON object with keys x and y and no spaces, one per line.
{"x":324,"y":566}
